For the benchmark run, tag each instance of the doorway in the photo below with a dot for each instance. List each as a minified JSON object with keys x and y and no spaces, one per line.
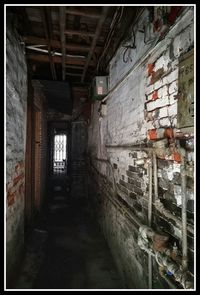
{"x":58,"y":156}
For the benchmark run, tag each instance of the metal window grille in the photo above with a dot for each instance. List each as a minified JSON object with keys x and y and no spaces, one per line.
{"x":60,"y":154}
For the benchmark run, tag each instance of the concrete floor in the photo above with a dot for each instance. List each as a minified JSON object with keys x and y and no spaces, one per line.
{"x":67,"y":250}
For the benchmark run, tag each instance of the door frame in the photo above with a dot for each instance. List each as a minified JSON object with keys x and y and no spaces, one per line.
{"x":32,"y":164}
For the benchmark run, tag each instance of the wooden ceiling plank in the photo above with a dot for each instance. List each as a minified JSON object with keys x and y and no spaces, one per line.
{"x":56,"y":44}
{"x":94,"y":41}
{"x":57,"y":59}
{"x":73,"y":74}
{"x":74,"y":67}
{"x":62,"y":38}
{"x":47,"y":22}
{"x":89,"y":14}
{"x":79,"y":33}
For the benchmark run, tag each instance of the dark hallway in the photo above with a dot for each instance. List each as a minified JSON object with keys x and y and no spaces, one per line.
{"x":100,"y":147}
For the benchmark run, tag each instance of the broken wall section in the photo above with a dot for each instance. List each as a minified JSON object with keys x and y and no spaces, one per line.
{"x":141,"y":111}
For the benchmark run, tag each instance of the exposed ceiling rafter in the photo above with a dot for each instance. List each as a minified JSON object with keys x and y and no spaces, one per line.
{"x":57,"y":44}
{"x":79,"y":33}
{"x":90,"y":13}
{"x":62,"y":39}
{"x":94,"y":41}
{"x":46,"y":16}
{"x":58,"y":59}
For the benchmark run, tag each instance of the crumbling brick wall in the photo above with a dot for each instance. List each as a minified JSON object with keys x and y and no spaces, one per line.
{"x":142,"y":111}
{"x":16,"y":95}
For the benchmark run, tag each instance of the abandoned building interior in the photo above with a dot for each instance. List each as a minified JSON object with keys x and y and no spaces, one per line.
{"x":100,"y":147}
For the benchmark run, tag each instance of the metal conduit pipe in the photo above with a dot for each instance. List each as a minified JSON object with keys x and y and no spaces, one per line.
{"x":163,"y":258}
{"x":180,"y":275}
{"x":167,"y":279}
{"x":160,"y":207}
{"x":129,"y":146}
{"x":150,"y":220}
{"x":183,"y":223}
{"x":184,"y":211}
{"x":155,"y":176}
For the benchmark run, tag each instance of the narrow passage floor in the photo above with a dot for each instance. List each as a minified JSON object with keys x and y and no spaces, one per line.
{"x":67,"y":250}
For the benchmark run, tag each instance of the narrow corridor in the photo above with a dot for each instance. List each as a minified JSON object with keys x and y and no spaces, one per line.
{"x":100,"y":147}
{"x":67,"y":249}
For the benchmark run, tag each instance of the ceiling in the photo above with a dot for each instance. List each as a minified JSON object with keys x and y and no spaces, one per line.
{"x":71,"y":43}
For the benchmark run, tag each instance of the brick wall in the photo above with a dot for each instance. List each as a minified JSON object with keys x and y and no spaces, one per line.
{"x":16,"y":95}
{"x":141,"y":110}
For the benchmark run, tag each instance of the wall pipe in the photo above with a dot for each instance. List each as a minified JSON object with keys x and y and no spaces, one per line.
{"x":183,"y":222}
{"x":129,"y":146}
{"x":155,"y":176}
{"x":160,"y":207}
{"x":164,"y":257}
{"x":181,"y":275}
{"x":169,"y":282}
{"x":184,"y":211}
{"x":150,"y":277}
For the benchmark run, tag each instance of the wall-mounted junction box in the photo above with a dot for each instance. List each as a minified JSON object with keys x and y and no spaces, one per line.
{"x":100,"y":87}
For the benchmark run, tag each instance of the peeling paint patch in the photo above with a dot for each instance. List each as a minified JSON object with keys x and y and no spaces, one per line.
{"x":15,"y":188}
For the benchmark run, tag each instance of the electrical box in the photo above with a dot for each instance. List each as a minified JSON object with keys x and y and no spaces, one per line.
{"x":185,"y":115}
{"x":100,"y":87}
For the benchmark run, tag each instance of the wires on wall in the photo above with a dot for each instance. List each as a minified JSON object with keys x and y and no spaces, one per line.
{"x":129,"y":47}
{"x":115,"y":22}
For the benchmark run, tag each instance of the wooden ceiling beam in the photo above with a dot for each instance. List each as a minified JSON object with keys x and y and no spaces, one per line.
{"x":94,"y":41}
{"x":56,"y":44}
{"x":57,"y":59}
{"x":74,"y":67}
{"x":62,"y":38}
{"x":73,"y":74}
{"x":91,"y":13}
{"x":79,"y":33}
{"x":46,"y":16}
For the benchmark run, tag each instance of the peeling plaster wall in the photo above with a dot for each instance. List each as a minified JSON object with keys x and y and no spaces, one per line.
{"x":16,"y":96}
{"x":141,"y":109}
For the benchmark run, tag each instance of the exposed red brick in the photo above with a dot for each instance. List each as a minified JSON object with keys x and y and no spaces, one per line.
{"x":150,"y":69}
{"x":152,"y":134}
{"x":10,"y":198}
{"x":176,"y":157}
{"x":18,"y":178}
{"x":155,"y":95}
{"x":169,"y":133}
